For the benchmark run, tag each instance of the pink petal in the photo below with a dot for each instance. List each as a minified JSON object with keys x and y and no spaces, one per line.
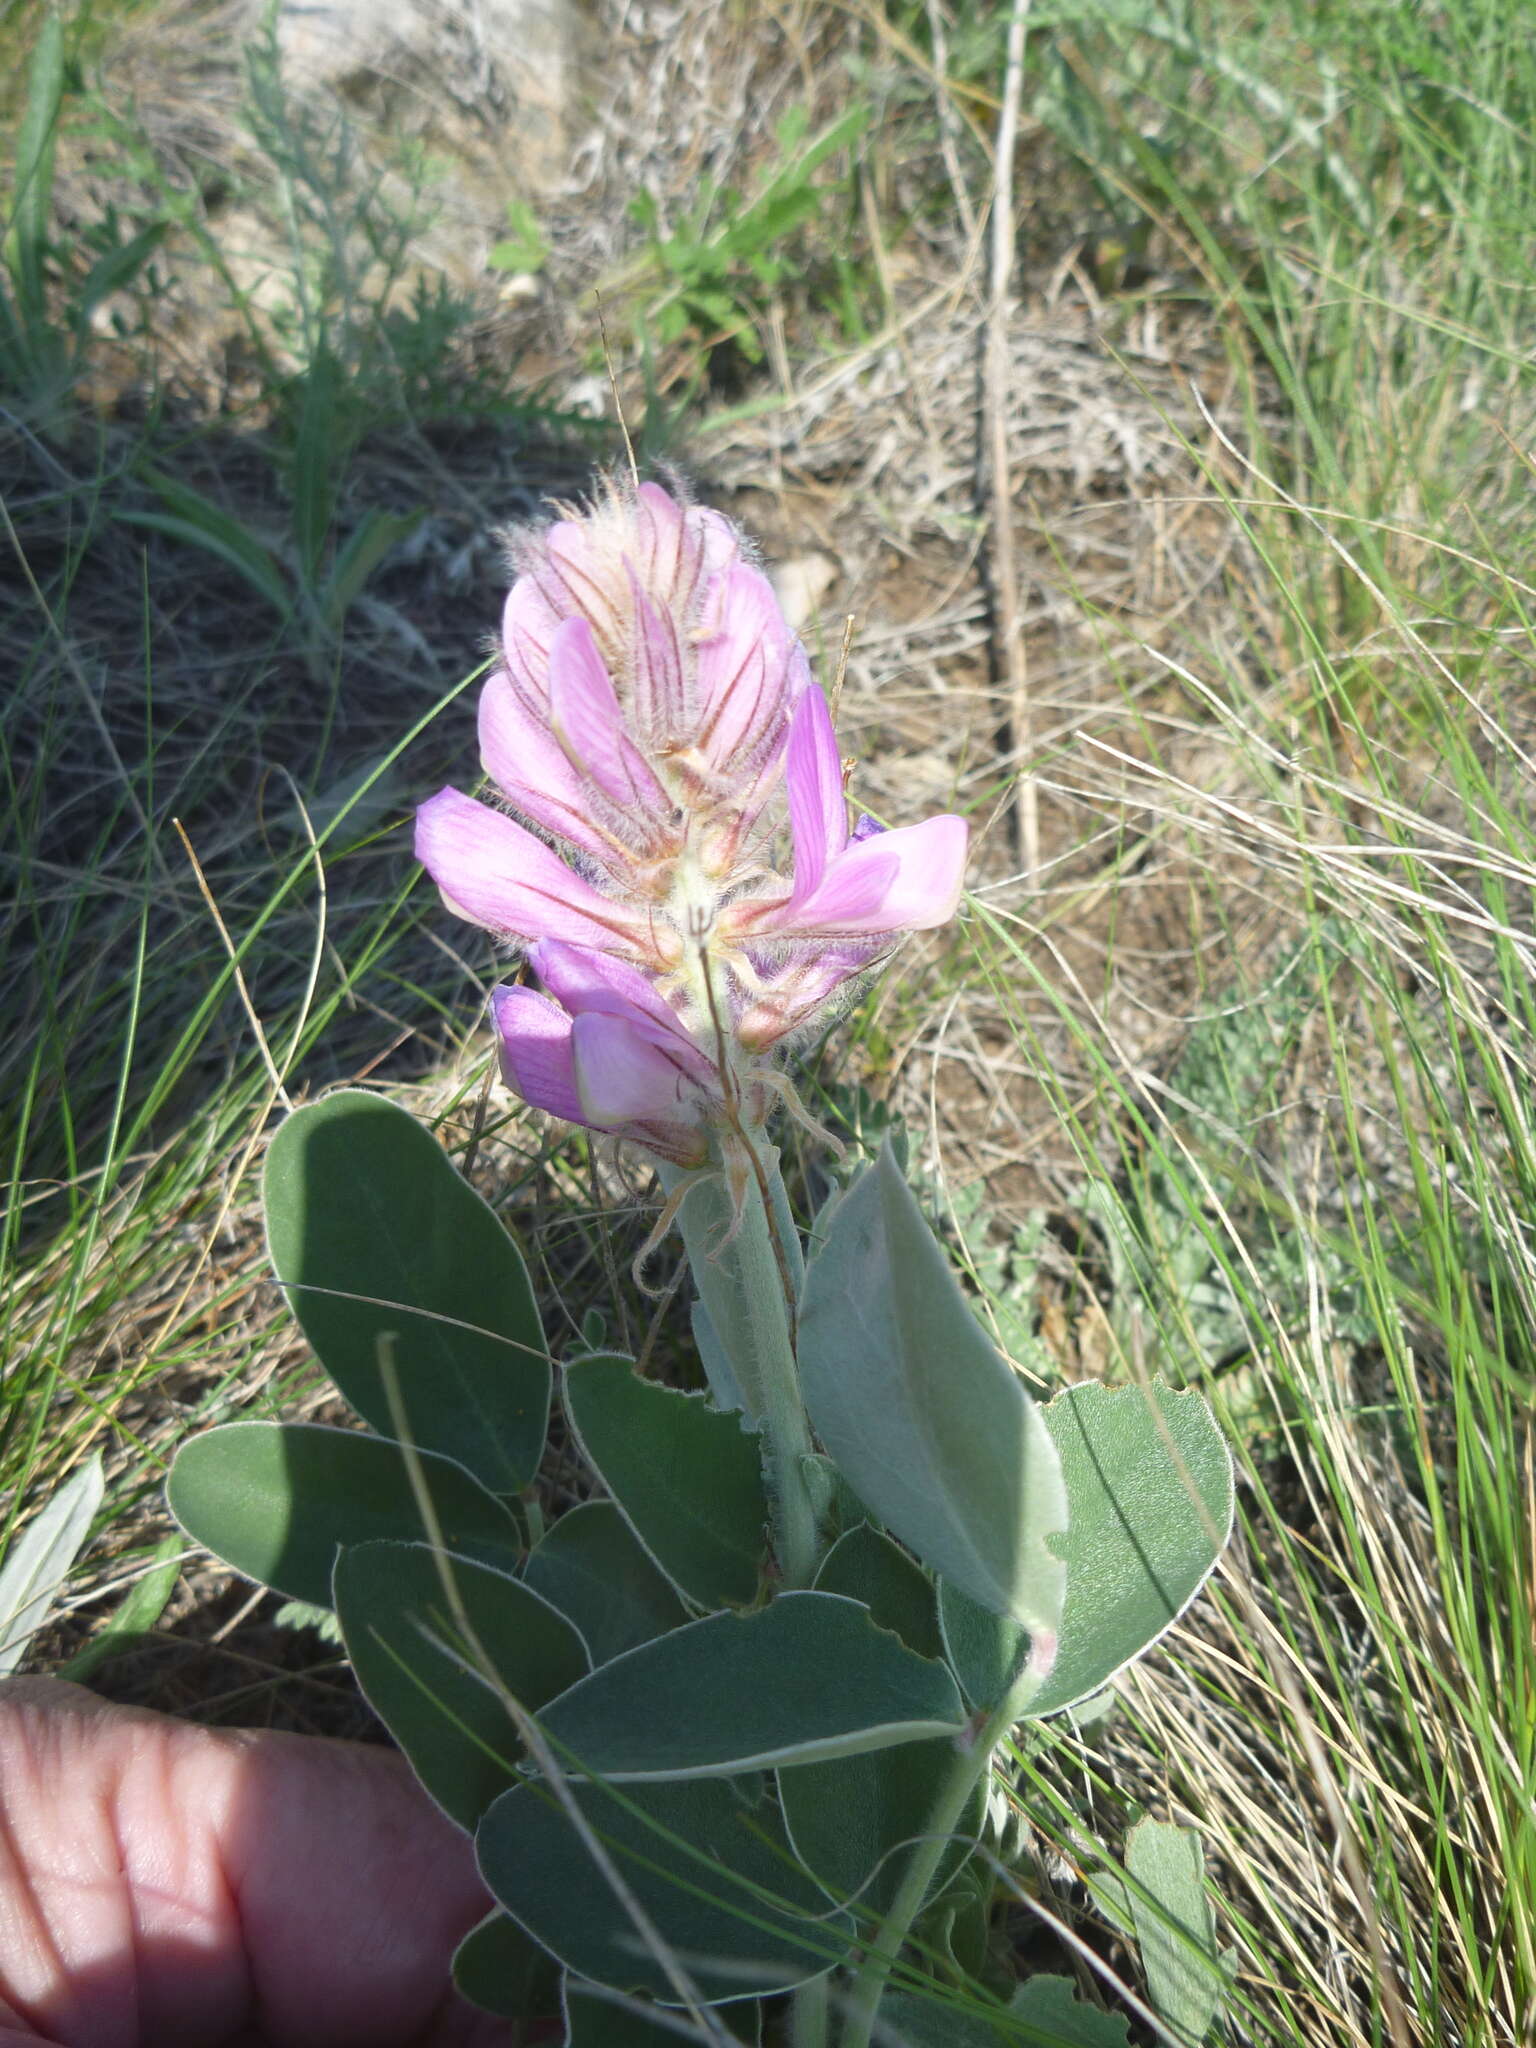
{"x":528,"y":623}
{"x":534,"y":1038}
{"x":586,"y":983}
{"x":523,"y":758}
{"x":660,"y":696}
{"x":663,"y":552}
{"x":907,"y":880}
{"x":584,"y":980}
{"x":743,"y":668}
{"x":496,"y":873}
{"x":850,"y":897}
{"x":584,"y":577}
{"x":931,"y":877}
{"x":622,"y":1078}
{"x":585,"y":717}
{"x":813,"y":774}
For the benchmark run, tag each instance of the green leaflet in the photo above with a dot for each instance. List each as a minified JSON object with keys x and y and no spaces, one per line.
{"x":808,"y":1676}
{"x":277,"y":1500}
{"x":923,"y":1417}
{"x":372,"y":1232}
{"x":420,"y":1676}
{"x":687,"y":1477}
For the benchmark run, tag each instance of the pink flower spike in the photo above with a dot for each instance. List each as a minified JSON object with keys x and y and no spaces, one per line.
{"x":813,"y":775}
{"x":585,"y":718}
{"x":534,"y":1040}
{"x":496,"y":873}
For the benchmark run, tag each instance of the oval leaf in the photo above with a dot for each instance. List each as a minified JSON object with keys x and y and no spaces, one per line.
{"x":687,"y":1478}
{"x":1175,"y":1926}
{"x":593,"y":2019}
{"x":277,"y":1500}
{"x":591,"y":1566}
{"x":707,"y":1862}
{"x":864,"y":1564}
{"x":404,"y":1642}
{"x":921,"y":1414}
{"x":503,"y":1970}
{"x":850,"y":1819}
{"x":808,"y":1676}
{"x":1149,"y":1483}
{"x":373,"y":1231}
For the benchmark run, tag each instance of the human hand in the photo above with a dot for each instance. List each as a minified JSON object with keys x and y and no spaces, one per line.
{"x":169,"y":1886}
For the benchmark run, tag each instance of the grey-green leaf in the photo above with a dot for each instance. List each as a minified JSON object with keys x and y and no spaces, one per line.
{"x":372,"y":1231}
{"x":503,"y":1970}
{"x":1149,"y":1487}
{"x":687,"y":1478}
{"x":277,"y":1500}
{"x":41,"y":1558}
{"x":922,"y":1415}
{"x":591,"y":1566}
{"x":420,"y":1676}
{"x":594,"y":2019}
{"x":806,"y":1677}
{"x":854,"y":1821}
{"x":1175,"y":1927}
{"x":1058,"y":2017}
{"x":985,"y":1650}
{"x":707,"y":1862}
{"x":864,"y":1564}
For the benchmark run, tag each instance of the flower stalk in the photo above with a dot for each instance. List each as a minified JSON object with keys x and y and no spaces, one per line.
{"x":744,"y":1271}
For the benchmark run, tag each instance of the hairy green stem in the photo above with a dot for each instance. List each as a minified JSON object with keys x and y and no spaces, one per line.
{"x":970,"y":1764}
{"x":747,"y":1272}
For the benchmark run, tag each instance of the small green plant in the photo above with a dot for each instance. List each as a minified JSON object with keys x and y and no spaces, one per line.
{"x":719,"y":267}
{"x":726,"y":1730}
{"x":47,"y":304}
{"x":523,"y":248}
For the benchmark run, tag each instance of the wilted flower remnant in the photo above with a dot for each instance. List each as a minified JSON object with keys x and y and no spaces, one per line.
{"x":653,"y":727}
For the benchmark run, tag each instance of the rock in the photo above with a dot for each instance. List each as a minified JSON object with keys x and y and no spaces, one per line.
{"x":508,"y":65}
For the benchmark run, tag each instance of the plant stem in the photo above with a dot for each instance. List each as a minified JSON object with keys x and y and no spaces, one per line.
{"x":745,"y":1271}
{"x":969,"y":1765}
{"x":808,"y":2015}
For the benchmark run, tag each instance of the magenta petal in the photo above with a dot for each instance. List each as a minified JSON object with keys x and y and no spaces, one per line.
{"x":622,"y":1078}
{"x":743,"y":668}
{"x":586,"y":982}
{"x":931,"y":877}
{"x":522,"y":756}
{"x":660,"y":697}
{"x":494,"y":872}
{"x":585,"y":716}
{"x":534,"y":1037}
{"x":528,"y":623}
{"x":919,"y":871}
{"x":813,"y":774}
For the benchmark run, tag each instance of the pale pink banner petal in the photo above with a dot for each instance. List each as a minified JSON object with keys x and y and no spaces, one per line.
{"x":743,"y":669}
